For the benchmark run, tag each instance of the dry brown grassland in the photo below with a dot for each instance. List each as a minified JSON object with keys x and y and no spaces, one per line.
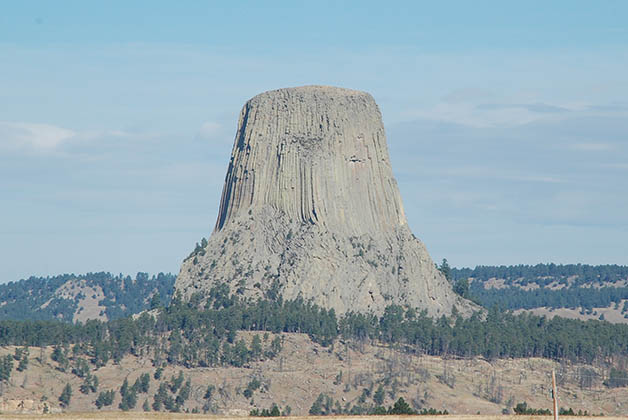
{"x":305,"y":369}
{"x":158,"y":416}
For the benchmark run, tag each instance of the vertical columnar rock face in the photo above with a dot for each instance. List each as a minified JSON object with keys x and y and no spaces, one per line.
{"x":310,"y":208}
{"x":319,"y":155}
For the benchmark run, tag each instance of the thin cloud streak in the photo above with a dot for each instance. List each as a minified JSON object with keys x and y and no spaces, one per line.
{"x":33,"y":136}
{"x":489,"y":115}
{"x":209,"y":130}
{"x":592,"y":147}
{"x":152,"y":126}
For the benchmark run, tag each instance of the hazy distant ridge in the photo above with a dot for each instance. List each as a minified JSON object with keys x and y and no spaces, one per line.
{"x":579,"y":287}
{"x":71,"y":297}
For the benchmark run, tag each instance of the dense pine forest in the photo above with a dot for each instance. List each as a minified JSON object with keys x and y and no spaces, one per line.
{"x":195,"y":334}
{"x":202,"y":332}
{"x":524,"y":287}
{"x":545,"y":273}
{"x":573,"y":298}
{"x":543,"y":285}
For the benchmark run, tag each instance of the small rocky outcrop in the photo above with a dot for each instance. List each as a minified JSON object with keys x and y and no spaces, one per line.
{"x":310,"y":208}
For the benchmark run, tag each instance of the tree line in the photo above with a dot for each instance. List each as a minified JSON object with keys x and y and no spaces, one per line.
{"x":581,"y":286}
{"x":202,"y":332}
{"x":574,"y":297}
{"x":35,"y":298}
{"x":544,"y":273}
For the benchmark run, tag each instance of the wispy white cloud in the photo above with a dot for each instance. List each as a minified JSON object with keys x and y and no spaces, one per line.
{"x":611,"y":107}
{"x":501,"y":174}
{"x":483,"y":108}
{"x":483,"y":115}
{"x":39,"y":138}
{"x":33,"y":136}
{"x":538,"y":107}
{"x":466,"y":95}
{"x":209,"y":130}
{"x":533,"y":178}
{"x":469,"y":115}
{"x":592,"y":147}
{"x":616,"y":165}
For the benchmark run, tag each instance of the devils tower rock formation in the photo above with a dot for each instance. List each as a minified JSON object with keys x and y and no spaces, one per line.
{"x":310,"y":208}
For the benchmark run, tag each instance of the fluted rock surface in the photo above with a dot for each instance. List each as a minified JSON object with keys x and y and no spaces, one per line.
{"x":310,"y":208}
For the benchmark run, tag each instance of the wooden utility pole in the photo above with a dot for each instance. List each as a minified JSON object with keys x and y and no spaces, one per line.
{"x":554,"y":395}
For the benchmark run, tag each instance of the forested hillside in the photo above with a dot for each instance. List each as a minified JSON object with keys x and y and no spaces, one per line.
{"x":70,"y":297}
{"x":195,"y":334}
{"x":104,"y":296}
{"x":575,"y":286}
{"x":205,"y":332}
{"x":544,"y":274}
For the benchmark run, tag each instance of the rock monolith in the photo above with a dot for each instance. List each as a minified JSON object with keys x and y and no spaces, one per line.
{"x":310,"y":208}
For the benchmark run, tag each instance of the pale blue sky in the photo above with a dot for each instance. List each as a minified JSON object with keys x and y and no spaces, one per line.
{"x":507,"y":122}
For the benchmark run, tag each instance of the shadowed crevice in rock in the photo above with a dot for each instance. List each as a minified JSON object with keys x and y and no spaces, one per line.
{"x":310,"y":208}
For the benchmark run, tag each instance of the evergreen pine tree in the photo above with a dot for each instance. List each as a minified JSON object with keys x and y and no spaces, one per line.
{"x":66,"y":396}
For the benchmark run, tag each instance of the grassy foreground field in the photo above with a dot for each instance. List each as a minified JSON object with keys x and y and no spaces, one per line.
{"x":346,"y":373}
{"x":158,"y":416}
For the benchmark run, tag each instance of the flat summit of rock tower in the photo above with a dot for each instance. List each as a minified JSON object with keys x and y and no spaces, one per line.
{"x":310,"y":208}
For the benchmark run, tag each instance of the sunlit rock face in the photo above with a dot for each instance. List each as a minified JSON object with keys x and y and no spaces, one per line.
{"x":310,"y":208}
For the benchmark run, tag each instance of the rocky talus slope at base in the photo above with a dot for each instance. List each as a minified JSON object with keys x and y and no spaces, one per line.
{"x":310,"y":208}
